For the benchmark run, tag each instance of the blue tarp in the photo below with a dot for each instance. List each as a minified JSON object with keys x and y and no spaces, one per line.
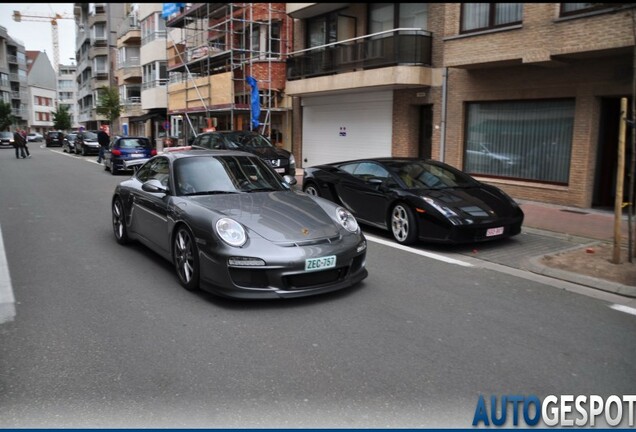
{"x":255,"y":102}
{"x":171,"y":8}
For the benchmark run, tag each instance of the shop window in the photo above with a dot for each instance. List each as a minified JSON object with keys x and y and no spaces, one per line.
{"x":526,"y":140}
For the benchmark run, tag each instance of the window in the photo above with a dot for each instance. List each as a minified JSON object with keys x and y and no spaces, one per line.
{"x":368,"y":170}
{"x":527,"y":140}
{"x":99,"y":31}
{"x":66,"y":84}
{"x":483,"y":16}
{"x":322,"y":30}
{"x":388,"y":16}
{"x":152,"y":27}
{"x":155,"y":74}
{"x":100,"y":64}
{"x":265,"y":43}
{"x":578,"y":8}
{"x":128,"y":57}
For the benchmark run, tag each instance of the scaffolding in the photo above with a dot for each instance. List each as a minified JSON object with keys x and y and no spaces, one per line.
{"x":212,"y":50}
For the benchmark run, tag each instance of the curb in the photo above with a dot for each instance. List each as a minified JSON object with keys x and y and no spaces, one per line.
{"x":625,"y":290}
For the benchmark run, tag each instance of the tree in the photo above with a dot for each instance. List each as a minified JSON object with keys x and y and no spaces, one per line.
{"x":62,"y":118}
{"x":6,"y":118}
{"x":108,"y":104}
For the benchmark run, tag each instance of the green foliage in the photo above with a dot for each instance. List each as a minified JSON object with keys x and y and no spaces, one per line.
{"x":62,"y":118}
{"x":108,"y":104}
{"x":6,"y":118}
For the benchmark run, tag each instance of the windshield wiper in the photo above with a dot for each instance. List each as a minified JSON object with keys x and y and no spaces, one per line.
{"x":210,"y":192}
{"x":263,"y":189}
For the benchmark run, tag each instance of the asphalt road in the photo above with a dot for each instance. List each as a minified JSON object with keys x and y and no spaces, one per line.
{"x":104,"y":336}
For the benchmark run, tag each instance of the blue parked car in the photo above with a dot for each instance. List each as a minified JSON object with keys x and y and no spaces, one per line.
{"x":124,"y":149}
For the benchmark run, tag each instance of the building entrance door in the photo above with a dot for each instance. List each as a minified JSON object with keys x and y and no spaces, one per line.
{"x":607,"y":157}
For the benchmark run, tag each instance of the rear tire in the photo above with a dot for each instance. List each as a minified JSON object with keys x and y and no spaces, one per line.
{"x":311,"y":189}
{"x":402,"y":224}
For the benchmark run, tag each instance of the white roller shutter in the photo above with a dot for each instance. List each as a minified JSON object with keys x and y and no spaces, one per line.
{"x":347,"y":126}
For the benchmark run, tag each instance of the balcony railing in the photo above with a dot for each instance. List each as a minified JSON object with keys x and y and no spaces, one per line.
{"x":132,"y":100}
{"x":389,"y":48}
{"x":130,"y":62}
{"x":154,"y":83}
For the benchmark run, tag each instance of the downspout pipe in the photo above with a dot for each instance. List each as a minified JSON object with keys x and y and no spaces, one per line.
{"x":442,"y":139}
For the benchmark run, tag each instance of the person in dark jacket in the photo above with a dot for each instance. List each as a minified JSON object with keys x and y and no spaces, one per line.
{"x":103,"y":139}
{"x":20,"y":144}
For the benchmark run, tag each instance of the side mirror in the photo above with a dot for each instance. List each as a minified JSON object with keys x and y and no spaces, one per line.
{"x":290,"y":180}
{"x":154,"y":186}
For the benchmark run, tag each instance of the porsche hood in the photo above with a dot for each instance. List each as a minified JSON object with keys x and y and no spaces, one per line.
{"x":277,"y":216}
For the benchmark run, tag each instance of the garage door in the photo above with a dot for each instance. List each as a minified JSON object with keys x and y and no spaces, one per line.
{"x":344,"y":127}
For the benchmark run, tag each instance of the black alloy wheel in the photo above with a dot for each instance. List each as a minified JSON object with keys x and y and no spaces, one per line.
{"x":186,"y":259}
{"x":119,"y":222}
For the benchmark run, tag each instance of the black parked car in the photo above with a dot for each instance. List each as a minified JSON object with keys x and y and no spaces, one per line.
{"x":230,"y":225}
{"x":281,"y":160}
{"x":417,"y":199}
{"x":86,"y":143}
{"x":68,"y":144}
{"x":54,"y":138}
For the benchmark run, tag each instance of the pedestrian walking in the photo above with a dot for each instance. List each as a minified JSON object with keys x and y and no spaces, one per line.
{"x":103,"y":139}
{"x":23,"y":132}
{"x":21,"y":149}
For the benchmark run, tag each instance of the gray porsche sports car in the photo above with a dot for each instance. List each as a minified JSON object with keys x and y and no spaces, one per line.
{"x":232,"y":226}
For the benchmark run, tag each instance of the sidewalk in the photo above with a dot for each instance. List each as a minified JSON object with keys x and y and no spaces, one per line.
{"x":585,"y":223}
{"x":588,"y":223}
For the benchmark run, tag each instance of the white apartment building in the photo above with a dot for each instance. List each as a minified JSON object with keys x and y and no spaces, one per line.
{"x":67,"y":92}
{"x":42,"y":90}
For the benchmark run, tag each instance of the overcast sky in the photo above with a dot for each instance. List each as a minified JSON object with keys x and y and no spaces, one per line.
{"x":38,"y":36}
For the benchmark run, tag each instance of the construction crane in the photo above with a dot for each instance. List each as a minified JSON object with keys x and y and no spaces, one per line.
{"x":43,"y":17}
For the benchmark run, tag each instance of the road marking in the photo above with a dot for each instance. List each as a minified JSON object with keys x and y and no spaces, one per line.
{"x":417,"y":251}
{"x":625,"y":309}
{"x":7,"y":300}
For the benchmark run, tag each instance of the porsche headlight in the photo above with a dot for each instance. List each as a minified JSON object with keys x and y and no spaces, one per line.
{"x":231,"y":232}
{"x":292,"y":163}
{"x":346,"y":219}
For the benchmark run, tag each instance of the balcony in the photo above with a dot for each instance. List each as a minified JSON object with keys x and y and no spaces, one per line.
{"x":129,"y":32}
{"x":398,"y":47}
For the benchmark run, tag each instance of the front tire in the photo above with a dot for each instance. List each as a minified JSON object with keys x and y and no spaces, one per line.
{"x":119,"y":222}
{"x":403,"y":224}
{"x":186,"y":258}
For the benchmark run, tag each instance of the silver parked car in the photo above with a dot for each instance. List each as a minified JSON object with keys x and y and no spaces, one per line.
{"x":6,"y":139}
{"x":232,"y":226}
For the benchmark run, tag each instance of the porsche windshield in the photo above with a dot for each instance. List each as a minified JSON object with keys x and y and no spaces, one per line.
{"x":201,"y":175}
